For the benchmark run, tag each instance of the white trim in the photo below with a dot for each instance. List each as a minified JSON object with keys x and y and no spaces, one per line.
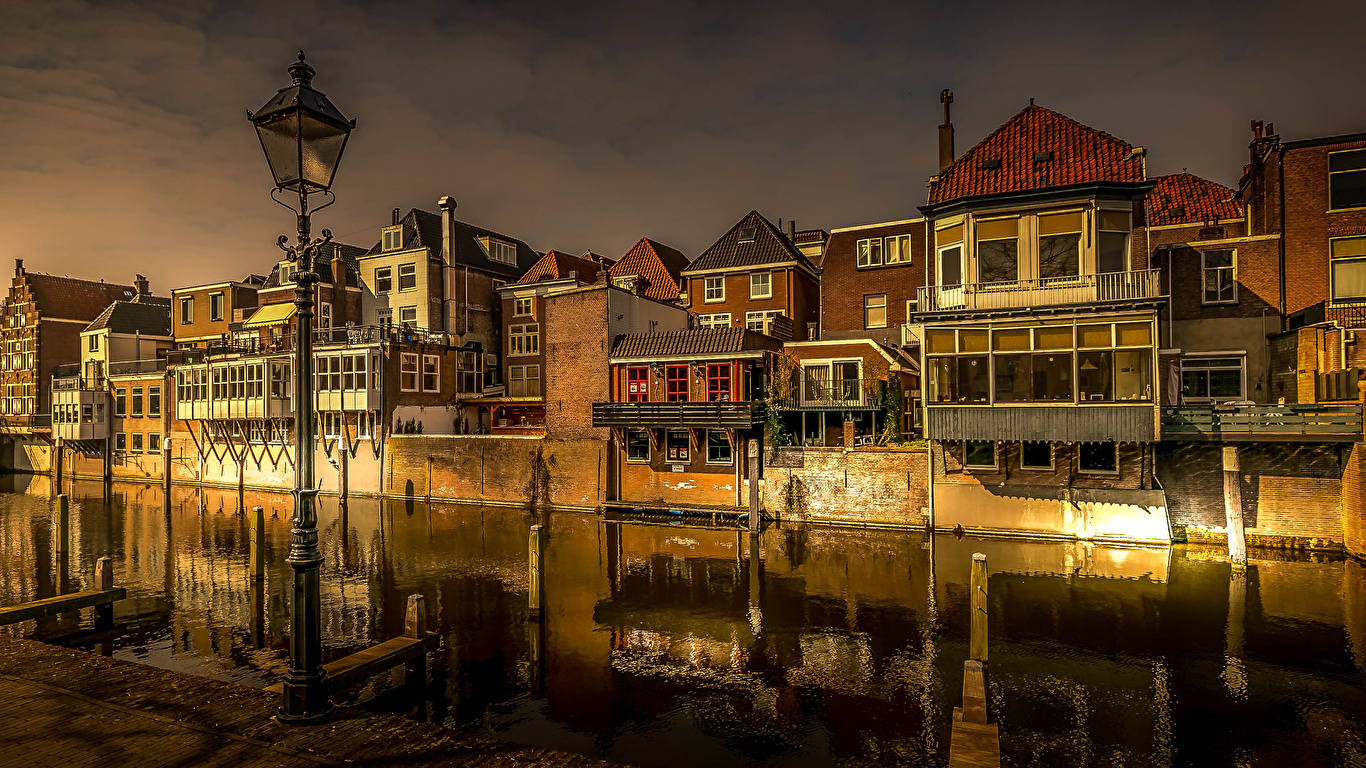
{"x":772,"y":265}
{"x":749,"y":354}
{"x":1197,"y":225}
{"x":1052,"y":458}
{"x":1225,"y":241}
{"x":879,"y":224}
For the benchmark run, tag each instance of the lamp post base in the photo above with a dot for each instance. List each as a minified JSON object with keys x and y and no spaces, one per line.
{"x":306,"y":702}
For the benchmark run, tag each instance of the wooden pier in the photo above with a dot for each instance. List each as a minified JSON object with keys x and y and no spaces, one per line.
{"x":102,"y":599}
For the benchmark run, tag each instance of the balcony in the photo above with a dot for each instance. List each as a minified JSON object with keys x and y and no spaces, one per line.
{"x":717,"y":415}
{"x":135,"y":367}
{"x":26,"y":423}
{"x":372,"y":334}
{"x":1138,"y":285}
{"x":1245,"y":423}
{"x":843,"y":395}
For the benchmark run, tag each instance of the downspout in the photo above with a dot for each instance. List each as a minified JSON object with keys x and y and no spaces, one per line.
{"x":1280,"y":191}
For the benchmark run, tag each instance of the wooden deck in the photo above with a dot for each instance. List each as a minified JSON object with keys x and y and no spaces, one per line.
{"x":53,"y":606}
{"x":352,"y":670}
{"x":1248,"y":423}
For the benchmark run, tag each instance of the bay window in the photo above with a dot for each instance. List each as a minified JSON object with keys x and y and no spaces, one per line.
{"x":1112,"y":241}
{"x":1059,"y":245}
{"x":998,"y":251}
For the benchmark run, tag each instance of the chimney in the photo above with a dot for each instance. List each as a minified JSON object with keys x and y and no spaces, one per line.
{"x":394,"y":218}
{"x":792,"y":230}
{"x":18,"y":266}
{"x":447,"y":206}
{"x":338,"y":267}
{"x":946,"y":132}
{"x":144,"y":288}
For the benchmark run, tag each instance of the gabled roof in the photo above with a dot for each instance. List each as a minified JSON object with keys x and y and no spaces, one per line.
{"x":1079,"y":155}
{"x":693,"y":342}
{"x":322,"y":265}
{"x":660,"y":265}
{"x":556,"y":265}
{"x":422,"y":229}
{"x":74,"y":299}
{"x":147,"y":318}
{"x":1184,"y":198}
{"x":769,"y":246}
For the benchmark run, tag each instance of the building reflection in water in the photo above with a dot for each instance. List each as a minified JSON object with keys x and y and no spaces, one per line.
{"x":665,"y":644}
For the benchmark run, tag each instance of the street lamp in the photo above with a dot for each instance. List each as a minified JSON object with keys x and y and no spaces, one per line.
{"x":303,"y":137}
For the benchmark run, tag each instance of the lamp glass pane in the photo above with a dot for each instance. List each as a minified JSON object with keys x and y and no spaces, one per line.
{"x":280,"y":141}
{"x":322,"y":149}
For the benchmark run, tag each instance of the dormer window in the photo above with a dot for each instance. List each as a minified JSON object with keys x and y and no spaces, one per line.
{"x":502,"y":252}
{"x":392,"y":239}
{"x":286,"y":271}
{"x":747,"y":234}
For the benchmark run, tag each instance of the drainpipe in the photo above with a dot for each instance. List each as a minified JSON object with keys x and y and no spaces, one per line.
{"x":1280,"y":191}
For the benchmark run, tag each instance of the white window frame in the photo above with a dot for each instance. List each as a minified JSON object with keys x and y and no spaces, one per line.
{"x":216,"y":313}
{"x":767,"y":291}
{"x":754,"y":321}
{"x":94,"y":344}
{"x":868,"y":252}
{"x":404,"y":312}
{"x":411,"y":268}
{"x":524,"y":340}
{"x":1232,"y":272}
{"x":502,"y":252}
{"x":187,"y":310}
{"x":518,"y":304}
{"x":714,"y":294}
{"x":324,"y":316}
{"x":1199,"y":362}
{"x":405,"y":359}
{"x":1037,"y":467}
{"x":730,"y":450}
{"x":903,"y":249}
{"x":886,"y":318}
{"x":385,"y":274}
{"x":962,"y":264}
{"x":718,"y":320}
{"x":629,"y":459}
{"x":1332,"y":260}
{"x":384,"y":316}
{"x":435,"y":361}
{"x":392,"y":239}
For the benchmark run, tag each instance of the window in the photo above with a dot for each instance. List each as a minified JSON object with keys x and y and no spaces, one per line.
{"x":714,"y":321}
{"x":1219,"y":276}
{"x":154,"y":401}
{"x":120,"y":441}
{"x":718,"y":447}
{"x":187,"y":311}
{"x":979,"y":454}
{"x":1036,"y":455}
{"x":718,"y":382}
{"x":714,"y":289}
{"x":385,"y":315}
{"x":392,"y":239}
{"x":637,"y":446}
{"x":324,"y":316}
{"x":875,"y":310}
{"x":676,"y":383}
{"x":286,"y":271}
{"x":869,"y":252}
{"x":215,"y":306}
{"x":154,"y":442}
{"x":431,"y":373}
{"x":998,"y":251}
{"x":1101,"y":458}
{"x":1060,"y":245}
{"x":524,"y":339}
{"x":407,"y":277}
{"x":1347,"y":179}
{"x":637,"y":384}
{"x":407,"y":372}
{"x":137,"y":401}
{"x":747,"y":234}
{"x":521,"y":307}
{"x":1347,"y":261}
{"x":1211,"y":379}
{"x":137,"y":442}
{"x":1112,"y":243}
{"x":384,"y":280}
{"x":755,"y":320}
{"x":524,"y":381}
{"x":407,"y":314}
{"x":896,"y":249}
{"x":950,"y":266}
{"x":761,"y":285}
{"x":502,"y":252}
{"x":677,"y":446}
{"x":94,"y":345}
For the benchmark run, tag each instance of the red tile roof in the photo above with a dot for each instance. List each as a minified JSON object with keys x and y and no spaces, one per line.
{"x":73,"y":299}
{"x":1080,"y":155}
{"x":659,"y":264}
{"x":1184,"y":198}
{"x":692,"y":342}
{"x":555,"y":265}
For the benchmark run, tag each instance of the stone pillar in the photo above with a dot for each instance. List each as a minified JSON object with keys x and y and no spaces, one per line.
{"x":848,"y":434}
{"x":1233,"y":508}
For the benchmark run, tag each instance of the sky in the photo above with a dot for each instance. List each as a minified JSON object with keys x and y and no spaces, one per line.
{"x":124,"y":145}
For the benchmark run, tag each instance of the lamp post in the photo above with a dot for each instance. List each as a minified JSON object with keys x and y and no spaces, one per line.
{"x":303,"y":137}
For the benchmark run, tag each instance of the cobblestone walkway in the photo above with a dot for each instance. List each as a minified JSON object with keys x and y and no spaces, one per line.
{"x":62,"y":707}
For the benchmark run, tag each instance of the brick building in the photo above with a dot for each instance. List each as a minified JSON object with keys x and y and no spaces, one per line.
{"x":752,"y":273}
{"x":202,"y":314}
{"x":869,"y":278}
{"x":844,"y":392}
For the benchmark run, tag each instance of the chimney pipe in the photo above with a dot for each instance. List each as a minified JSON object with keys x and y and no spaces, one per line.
{"x":792,"y":230}
{"x":394,"y":217}
{"x":946,"y":132}
{"x":18,"y":266}
{"x":447,"y":206}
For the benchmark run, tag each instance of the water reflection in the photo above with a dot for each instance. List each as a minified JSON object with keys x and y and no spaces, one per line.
{"x":668,"y":645}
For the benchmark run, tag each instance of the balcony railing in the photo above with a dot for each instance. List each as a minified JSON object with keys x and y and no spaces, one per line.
{"x":26,"y":422}
{"x":1262,"y":422}
{"x":66,"y":370}
{"x":131,"y":367}
{"x":77,"y":382}
{"x":371,"y":334}
{"x":1036,"y":292}
{"x":253,"y":346}
{"x":842,"y":394}
{"x":717,"y":415}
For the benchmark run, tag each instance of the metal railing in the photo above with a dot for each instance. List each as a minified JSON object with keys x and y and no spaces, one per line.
{"x":129,"y":367}
{"x":66,"y":370}
{"x":740,"y":415}
{"x":1045,"y":291}
{"x":1262,"y":422}
{"x":371,"y":334}
{"x":843,"y":393}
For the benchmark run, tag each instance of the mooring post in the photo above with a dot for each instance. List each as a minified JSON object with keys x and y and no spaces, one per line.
{"x":258,"y":543}
{"x":977,"y":649}
{"x":535,"y":595}
{"x":57,"y":466}
{"x":166,"y":466}
{"x":104,"y":581}
{"x":756,"y":449}
{"x":63,"y":524}
{"x":342,"y":482}
{"x":429,"y":479}
{"x":415,"y":626}
{"x":1233,"y":508}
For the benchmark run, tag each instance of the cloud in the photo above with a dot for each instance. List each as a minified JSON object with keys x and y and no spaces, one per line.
{"x":125,"y":146}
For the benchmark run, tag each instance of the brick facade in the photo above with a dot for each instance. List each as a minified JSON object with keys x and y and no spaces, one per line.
{"x":844,"y":285}
{"x":793,"y":291}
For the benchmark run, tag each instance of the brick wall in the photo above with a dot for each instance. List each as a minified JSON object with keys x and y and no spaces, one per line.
{"x":576,"y":346}
{"x":1292,"y":492}
{"x":499,"y":469}
{"x":1308,"y":225}
{"x":864,"y":486}
{"x":844,"y":285}
{"x":1354,"y":500}
{"x":793,"y":291}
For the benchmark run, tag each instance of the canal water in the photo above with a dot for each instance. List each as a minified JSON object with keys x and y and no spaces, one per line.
{"x":676,"y":645}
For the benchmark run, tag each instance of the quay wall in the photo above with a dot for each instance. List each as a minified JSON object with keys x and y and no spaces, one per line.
{"x":880,"y":486}
{"x":1354,"y":501}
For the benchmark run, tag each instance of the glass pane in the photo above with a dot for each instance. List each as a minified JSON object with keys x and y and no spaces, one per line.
{"x":951,"y":266}
{"x":972,"y":341}
{"x":973,"y":380}
{"x":939,"y":342}
{"x":1013,"y":380}
{"x":1226,"y":384}
{"x":949,"y":235}
{"x":1052,"y":376}
{"x":1348,"y":246}
{"x":1134,"y":374}
{"x":1036,"y":455}
{"x":1112,"y":252}
{"x":1093,"y":335}
{"x":979,"y":453}
{"x":1060,"y":256}
{"x":280,"y":141}
{"x":1095,"y":376}
{"x":1220,"y":258}
{"x":1195,"y":384}
{"x":998,"y":261}
{"x":941,"y":382}
{"x":1009,"y":339}
{"x":1001,"y":228}
{"x":1347,"y":190}
{"x":1098,"y":457}
{"x":1346,"y":161}
{"x":322,"y":148}
{"x":1349,"y":279}
{"x":1133,"y":334}
{"x":1056,"y":337}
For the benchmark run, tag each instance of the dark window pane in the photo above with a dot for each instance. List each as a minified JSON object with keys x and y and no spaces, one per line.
{"x":1036,"y":455}
{"x":1099,"y":457}
{"x":1052,"y":376}
{"x":943,"y":380}
{"x":1347,"y":190}
{"x":1195,"y":383}
{"x":973,"y":380}
{"x":1060,"y":255}
{"x":998,"y":261}
{"x":1113,"y":252}
{"x":979,"y":453}
{"x":637,"y":445}
{"x":1013,"y":381}
{"x":1226,"y":384}
{"x":1095,"y":376}
{"x":951,"y":266}
{"x":1347,"y":161}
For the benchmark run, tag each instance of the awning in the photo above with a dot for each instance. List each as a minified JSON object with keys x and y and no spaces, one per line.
{"x":270,"y":314}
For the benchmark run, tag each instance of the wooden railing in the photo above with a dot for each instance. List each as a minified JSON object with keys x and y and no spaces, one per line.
{"x":1048,"y":291}
{"x":717,"y":415}
{"x":1262,"y":422}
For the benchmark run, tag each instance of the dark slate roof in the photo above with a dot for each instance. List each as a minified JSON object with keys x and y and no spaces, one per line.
{"x":660,"y":265}
{"x":1184,"y":198}
{"x":769,"y":246}
{"x":422,"y":229}
{"x":322,"y":265}
{"x":555,"y":265}
{"x":1037,"y":148}
{"x":696,"y":341}
{"x":145,"y":317}
{"x":73,"y":299}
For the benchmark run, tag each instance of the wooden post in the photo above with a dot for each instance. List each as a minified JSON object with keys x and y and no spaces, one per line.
{"x":342,"y":467}
{"x":977,"y":649}
{"x":258,"y":543}
{"x":429,"y":479}
{"x":1233,"y":508}
{"x":166,"y":466}
{"x":104,"y":581}
{"x":415,"y":626}
{"x":63,"y":524}
{"x":57,"y":467}
{"x":536,"y":596}
{"x":756,"y":446}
